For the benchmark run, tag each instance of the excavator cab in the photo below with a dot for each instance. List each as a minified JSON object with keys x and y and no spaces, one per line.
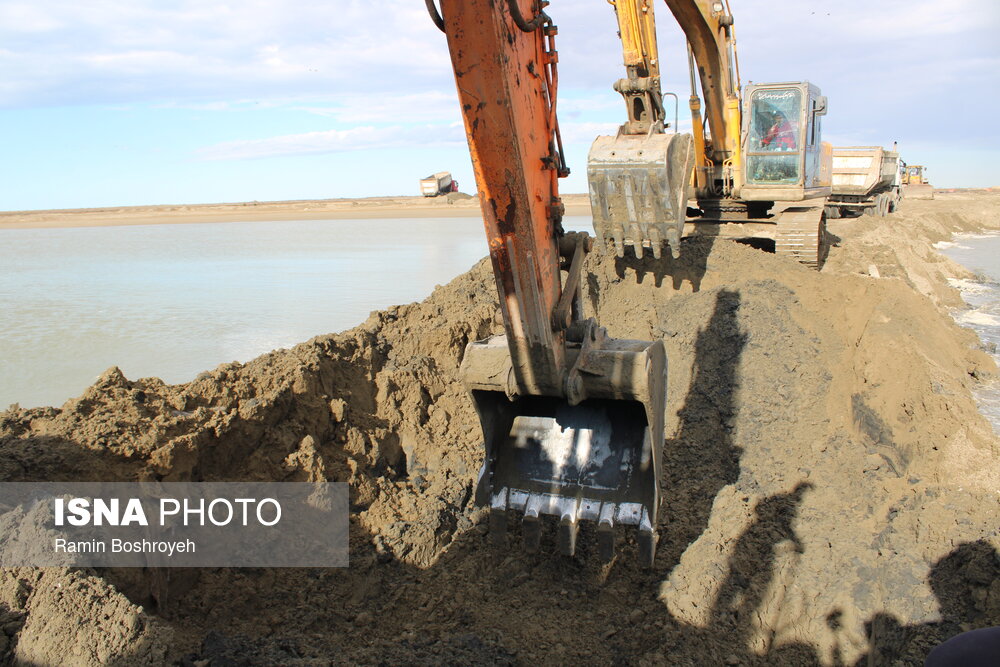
{"x":785,"y":157}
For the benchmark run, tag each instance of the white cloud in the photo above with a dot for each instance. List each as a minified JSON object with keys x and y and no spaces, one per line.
{"x":113,"y":51}
{"x":895,"y":69}
{"x":585,"y":133}
{"x":428,"y":106}
{"x":365,"y":137}
{"x":353,"y":53}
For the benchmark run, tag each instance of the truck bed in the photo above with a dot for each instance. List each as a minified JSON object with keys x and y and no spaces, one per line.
{"x":864,"y":170}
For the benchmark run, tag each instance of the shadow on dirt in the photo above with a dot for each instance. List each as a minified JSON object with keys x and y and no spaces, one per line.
{"x":752,"y":568}
{"x":966,"y":584}
{"x":689,"y":267}
{"x":701,"y":458}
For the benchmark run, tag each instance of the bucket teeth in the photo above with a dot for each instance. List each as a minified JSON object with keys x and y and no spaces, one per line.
{"x":531,"y":526}
{"x":531,"y":530}
{"x":656,"y":241}
{"x":647,"y":547}
{"x":648,"y":538}
{"x":636,"y":235}
{"x":619,"y":238}
{"x":571,"y":513}
{"x":606,"y":533}
{"x":498,"y":527}
{"x":568,"y":528}
{"x":606,"y":541}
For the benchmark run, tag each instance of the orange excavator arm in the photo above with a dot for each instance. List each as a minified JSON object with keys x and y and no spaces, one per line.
{"x":506,"y":81}
{"x":572,"y":419}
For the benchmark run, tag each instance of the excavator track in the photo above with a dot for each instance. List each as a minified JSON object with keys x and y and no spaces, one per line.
{"x":801,"y":235}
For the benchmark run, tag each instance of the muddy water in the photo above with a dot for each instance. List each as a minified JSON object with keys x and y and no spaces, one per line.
{"x":175,"y":300}
{"x":981,"y":254}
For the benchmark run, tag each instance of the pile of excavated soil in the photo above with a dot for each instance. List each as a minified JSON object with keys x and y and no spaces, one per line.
{"x":831,"y":490}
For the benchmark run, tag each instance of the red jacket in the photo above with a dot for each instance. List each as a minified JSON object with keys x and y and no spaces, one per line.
{"x":781,"y":134}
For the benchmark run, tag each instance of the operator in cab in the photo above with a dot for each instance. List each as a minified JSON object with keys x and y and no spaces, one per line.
{"x":781,"y":135}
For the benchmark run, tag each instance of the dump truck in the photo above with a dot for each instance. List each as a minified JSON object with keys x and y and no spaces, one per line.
{"x":866,"y":180}
{"x":915,"y":184}
{"x":438,"y":184}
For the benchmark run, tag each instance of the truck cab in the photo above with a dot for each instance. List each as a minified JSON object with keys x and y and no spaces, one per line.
{"x":785,"y":158}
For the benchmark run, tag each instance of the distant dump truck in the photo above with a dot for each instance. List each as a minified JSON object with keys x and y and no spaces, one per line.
{"x":915,"y":183}
{"x":438,"y":184}
{"x":866,"y":179}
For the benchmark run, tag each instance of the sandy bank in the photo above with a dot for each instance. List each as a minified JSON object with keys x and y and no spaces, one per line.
{"x":451,"y":206}
{"x":831,"y":490}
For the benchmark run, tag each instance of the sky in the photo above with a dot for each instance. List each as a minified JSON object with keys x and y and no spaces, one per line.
{"x":138,"y":102}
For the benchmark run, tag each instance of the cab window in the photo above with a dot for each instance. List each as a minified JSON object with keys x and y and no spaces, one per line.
{"x":774,"y":120}
{"x":774,"y":137}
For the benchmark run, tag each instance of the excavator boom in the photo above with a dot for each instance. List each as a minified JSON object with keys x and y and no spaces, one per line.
{"x":708,"y":27}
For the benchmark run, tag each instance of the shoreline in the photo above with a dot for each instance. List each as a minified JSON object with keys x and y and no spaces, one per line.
{"x":361,"y":208}
{"x":368,"y":208}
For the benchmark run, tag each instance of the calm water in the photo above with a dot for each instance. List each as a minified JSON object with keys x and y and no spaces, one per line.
{"x":175,"y":300}
{"x":981,"y":254}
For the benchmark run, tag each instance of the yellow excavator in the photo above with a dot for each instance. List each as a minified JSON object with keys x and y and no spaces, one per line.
{"x":760,"y":170}
{"x":915,"y":183}
{"x":573,"y":419}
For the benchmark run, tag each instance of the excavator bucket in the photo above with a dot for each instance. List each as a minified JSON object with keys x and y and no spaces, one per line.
{"x":594,"y":460}
{"x":639,"y":189}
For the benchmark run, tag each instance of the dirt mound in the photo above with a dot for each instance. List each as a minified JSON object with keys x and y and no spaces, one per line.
{"x":57,"y":617}
{"x":830,"y":488}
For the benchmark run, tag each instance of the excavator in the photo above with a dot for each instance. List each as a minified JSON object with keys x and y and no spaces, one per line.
{"x":572,"y":418}
{"x":761,"y":170}
{"x":915,"y":183}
